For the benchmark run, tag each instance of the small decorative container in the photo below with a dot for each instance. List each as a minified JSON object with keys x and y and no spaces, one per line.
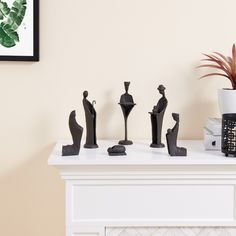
{"x":214,"y":125}
{"x":227,"y":97}
{"x":211,"y":141}
{"x":212,"y":134}
{"x":228,"y":141}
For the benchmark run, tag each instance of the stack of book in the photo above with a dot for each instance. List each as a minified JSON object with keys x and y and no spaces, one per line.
{"x":212,"y":134}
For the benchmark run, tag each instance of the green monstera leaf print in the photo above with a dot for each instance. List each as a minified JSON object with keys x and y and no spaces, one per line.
{"x":10,"y":21}
{"x":4,"y":10}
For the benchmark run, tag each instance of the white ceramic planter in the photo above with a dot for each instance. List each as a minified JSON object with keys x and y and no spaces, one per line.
{"x":227,"y":101}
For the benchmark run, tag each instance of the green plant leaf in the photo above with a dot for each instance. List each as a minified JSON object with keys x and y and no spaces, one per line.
{"x":17,"y":14}
{"x":4,"y":10}
{"x":8,"y":37}
{"x":8,"y":28}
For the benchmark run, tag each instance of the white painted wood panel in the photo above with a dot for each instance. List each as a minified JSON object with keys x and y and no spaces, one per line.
{"x":153,"y":202}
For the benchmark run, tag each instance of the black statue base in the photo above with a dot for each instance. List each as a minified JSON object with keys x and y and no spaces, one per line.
{"x":117,"y":150}
{"x":70,"y":150}
{"x":178,"y":151}
{"x":125,"y":142}
{"x":154,"y":145}
{"x":230,"y":155}
{"x":117,"y":154}
{"x":90,"y":146}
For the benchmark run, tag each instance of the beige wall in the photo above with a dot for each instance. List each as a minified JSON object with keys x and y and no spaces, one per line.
{"x":96,"y":45}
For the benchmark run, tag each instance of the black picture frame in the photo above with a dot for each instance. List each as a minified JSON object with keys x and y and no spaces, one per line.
{"x":35,"y":57}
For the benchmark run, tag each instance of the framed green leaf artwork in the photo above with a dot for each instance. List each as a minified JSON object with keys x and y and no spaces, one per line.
{"x":19,"y":30}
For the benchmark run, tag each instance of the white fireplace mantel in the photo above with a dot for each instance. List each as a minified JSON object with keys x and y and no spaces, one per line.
{"x":148,"y":191}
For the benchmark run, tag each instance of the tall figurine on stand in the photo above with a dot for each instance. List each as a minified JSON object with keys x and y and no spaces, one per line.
{"x":76,"y":132}
{"x":171,"y":138}
{"x":127,"y":104}
{"x":90,"y":116}
{"x":157,"y":115}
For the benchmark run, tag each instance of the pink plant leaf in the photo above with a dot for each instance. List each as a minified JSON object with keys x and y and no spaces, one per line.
{"x":221,"y":63}
{"x":214,"y":61}
{"x":218,"y":63}
{"x":224,"y":58}
{"x":230,"y":60}
{"x":214,"y":66}
{"x":213,"y":74}
{"x":234,"y":52}
{"x":226,"y":65}
{"x":234,"y":60}
{"x":210,"y":65}
{"x":219,"y":60}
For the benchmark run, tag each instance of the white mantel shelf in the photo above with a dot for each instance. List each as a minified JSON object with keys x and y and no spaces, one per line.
{"x":148,"y":191}
{"x":140,"y":154}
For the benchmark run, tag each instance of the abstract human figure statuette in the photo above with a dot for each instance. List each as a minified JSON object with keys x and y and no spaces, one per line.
{"x":90,"y":116}
{"x":157,"y":115}
{"x":171,"y":138}
{"x":117,"y":150}
{"x":127,"y":104}
{"x":76,"y":133}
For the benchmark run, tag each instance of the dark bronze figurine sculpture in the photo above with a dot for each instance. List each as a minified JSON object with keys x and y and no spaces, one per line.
{"x":171,"y":138}
{"x":127,"y":104}
{"x":90,"y":116}
{"x":157,"y":115}
{"x":117,"y":150}
{"x":76,"y":132}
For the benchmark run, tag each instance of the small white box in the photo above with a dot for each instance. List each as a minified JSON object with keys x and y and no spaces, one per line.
{"x":211,"y":142}
{"x":214,"y":125}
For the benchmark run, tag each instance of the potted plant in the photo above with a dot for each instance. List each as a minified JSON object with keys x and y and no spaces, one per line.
{"x":227,"y":68}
